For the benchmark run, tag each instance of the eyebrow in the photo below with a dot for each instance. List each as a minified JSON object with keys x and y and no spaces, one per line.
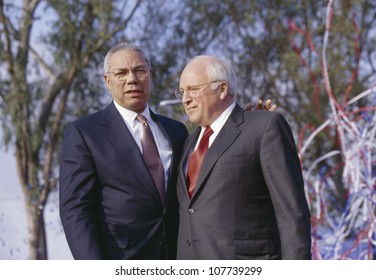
{"x":193,"y":86}
{"x":136,"y":67}
{"x":189,"y":86}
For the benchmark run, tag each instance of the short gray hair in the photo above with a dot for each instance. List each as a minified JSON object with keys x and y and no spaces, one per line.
{"x":124,"y":46}
{"x":221,"y":70}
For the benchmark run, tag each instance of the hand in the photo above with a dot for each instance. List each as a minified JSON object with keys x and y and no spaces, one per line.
{"x":260,"y":106}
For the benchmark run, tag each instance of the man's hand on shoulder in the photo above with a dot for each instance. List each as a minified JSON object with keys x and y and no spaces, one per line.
{"x":261,"y":106}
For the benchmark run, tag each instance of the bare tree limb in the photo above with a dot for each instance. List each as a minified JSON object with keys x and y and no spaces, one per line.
{"x":8,"y":43}
{"x":46,"y":67}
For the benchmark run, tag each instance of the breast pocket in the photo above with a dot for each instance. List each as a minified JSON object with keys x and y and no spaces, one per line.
{"x":236,"y":160}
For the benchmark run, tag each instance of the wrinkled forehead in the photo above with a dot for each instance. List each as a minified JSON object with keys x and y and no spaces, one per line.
{"x":193,"y":74}
{"x":127,"y":59}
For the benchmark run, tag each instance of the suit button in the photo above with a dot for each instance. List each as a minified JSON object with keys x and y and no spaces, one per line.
{"x":158,"y":242}
{"x":188,"y":243}
{"x":191,"y":211}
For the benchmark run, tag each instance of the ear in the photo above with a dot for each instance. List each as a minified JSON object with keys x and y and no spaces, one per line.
{"x":106,"y":80}
{"x":224,"y":90}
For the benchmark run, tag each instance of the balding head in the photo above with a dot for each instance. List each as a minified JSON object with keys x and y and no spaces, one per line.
{"x":205,"y":84}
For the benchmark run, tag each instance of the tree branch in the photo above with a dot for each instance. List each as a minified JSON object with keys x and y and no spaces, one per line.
{"x":25,"y":29}
{"x":54,"y":133}
{"x":8,"y":43}
{"x":38,"y":58}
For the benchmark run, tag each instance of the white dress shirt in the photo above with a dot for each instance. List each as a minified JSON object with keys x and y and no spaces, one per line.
{"x":134,"y":126}
{"x":217,"y":125}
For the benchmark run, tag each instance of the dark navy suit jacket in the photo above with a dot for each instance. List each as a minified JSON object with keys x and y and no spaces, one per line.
{"x":109,"y":205}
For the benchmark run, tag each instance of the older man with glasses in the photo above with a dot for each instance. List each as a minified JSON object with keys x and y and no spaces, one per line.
{"x":118,"y":170}
{"x":240,"y":186}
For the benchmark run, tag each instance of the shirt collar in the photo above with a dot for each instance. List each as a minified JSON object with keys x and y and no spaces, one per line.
{"x":129,"y":116}
{"x":217,"y":125}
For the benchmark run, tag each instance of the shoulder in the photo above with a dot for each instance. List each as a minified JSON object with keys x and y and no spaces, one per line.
{"x":170,"y":122}
{"x":262,"y":116}
{"x":173,"y":127}
{"x":86,"y":122}
{"x":262,"y":119}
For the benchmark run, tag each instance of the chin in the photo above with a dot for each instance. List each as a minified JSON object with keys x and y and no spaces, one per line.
{"x":193,"y":120}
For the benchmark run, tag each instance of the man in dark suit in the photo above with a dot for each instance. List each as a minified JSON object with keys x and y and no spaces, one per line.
{"x":110,"y":206}
{"x":247,"y":199}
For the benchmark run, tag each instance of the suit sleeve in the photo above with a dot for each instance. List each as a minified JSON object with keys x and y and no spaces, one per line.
{"x":283,"y":176}
{"x":76,"y":189}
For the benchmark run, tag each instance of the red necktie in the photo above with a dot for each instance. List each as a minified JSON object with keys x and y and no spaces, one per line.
{"x":151,"y":156}
{"x":195,"y":160}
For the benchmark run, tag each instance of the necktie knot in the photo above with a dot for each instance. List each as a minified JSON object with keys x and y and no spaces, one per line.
{"x":142,"y":119}
{"x":208,"y":132}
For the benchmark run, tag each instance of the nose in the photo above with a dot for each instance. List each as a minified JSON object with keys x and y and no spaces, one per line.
{"x":186,"y":97}
{"x":131,"y":77}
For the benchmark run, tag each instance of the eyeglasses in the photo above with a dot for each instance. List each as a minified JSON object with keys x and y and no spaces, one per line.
{"x":122,"y":76}
{"x":193,"y":91}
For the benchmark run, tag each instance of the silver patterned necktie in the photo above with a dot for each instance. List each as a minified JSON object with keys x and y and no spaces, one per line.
{"x":151,"y":156}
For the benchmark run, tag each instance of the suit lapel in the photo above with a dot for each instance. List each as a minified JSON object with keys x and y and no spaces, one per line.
{"x":222,"y":142}
{"x":119,"y":135}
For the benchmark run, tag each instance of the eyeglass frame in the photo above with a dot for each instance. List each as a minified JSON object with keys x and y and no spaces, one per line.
{"x":124,"y":73}
{"x":179,"y":93}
